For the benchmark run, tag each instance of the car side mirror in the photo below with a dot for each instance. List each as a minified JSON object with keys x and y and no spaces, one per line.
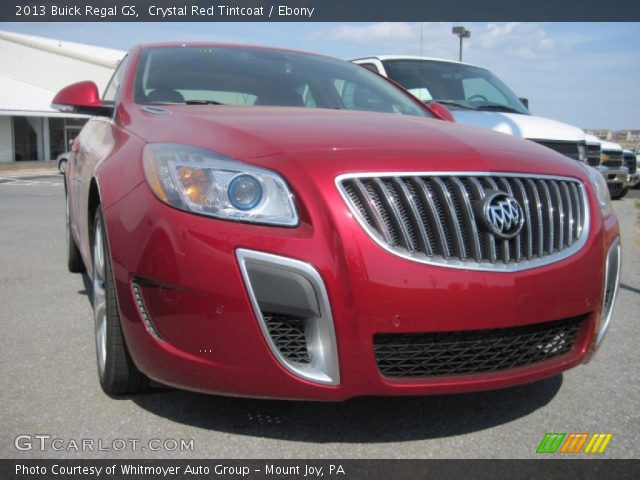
{"x":83,"y":98}
{"x":525,"y":102}
{"x":440,"y":111}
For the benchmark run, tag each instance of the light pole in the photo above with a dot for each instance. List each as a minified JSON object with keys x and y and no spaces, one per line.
{"x":461,"y":32}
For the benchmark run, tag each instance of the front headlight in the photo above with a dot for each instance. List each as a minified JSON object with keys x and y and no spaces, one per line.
{"x":601,"y":189}
{"x":582,"y":152}
{"x":201,"y":181}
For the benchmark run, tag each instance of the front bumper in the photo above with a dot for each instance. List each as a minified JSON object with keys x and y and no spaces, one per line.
{"x":189,"y":271}
{"x":617,"y":178}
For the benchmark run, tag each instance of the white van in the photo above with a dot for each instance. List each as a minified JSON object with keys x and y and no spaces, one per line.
{"x":477,"y":97}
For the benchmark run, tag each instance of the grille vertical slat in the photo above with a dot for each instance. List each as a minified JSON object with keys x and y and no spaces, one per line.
{"x":411,"y":204}
{"x":490,"y":240}
{"x":558,"y":217}
{"x":443,"y":218}
{"x":451,"y":218}
{"x":578,"y":210}
{"x":521,"y":195}
{"x":373,"y":212}
{"x":548,"y":212}
{"x":468,"y":217}
{"x":425,"y":195}
{"x":569,"y":223}
{"x":403,"y":235}
{"x":503,"y":245}
{"x":517,"y":247}
{"x":538,"y":225}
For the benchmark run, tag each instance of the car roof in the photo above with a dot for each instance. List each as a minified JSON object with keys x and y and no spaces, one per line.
{"x":415,"y":57}
{"x":226,"y":45}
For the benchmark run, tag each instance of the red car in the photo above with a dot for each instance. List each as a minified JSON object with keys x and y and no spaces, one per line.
{"x":270,"y":223}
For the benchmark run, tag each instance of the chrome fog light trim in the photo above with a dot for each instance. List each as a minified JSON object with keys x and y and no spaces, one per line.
{"x":310,"y":302}
{"x":611,"y":283}
{"x":143,"y":312}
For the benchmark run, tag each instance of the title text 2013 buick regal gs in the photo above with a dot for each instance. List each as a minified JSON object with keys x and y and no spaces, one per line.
{"x":270,"y":223}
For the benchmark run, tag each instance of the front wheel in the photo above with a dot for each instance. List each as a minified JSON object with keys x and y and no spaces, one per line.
{"x":620,"y":194}
{"x":116,"y":370}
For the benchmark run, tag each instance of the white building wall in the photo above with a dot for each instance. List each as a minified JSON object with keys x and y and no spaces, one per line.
{"x":32,"y":70}
{"x":6,"y":140}
{"x":48,"y":70}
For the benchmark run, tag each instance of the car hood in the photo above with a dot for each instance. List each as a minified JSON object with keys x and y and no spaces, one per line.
{"x":359,"y":139}
{"x":610,"y":146}
{"x":523,"y":126}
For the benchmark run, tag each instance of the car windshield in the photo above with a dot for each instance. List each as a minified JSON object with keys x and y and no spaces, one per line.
{"x":229,"y":75}
{"x":456,"y":85}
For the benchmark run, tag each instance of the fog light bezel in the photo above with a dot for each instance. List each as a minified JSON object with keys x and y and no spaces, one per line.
{"x":324,"y":368}
{"x":611,"y":280}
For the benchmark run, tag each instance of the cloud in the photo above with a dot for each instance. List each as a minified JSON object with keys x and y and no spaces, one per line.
{"x":375,"y":32}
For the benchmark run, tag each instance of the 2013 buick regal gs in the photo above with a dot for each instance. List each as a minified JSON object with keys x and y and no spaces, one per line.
{"x":270,"y":223}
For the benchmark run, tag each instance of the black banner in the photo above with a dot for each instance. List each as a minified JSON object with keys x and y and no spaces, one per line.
{"x":315,"y":10}
{"x":327,"y":469}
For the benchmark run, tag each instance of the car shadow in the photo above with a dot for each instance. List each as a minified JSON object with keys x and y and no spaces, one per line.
{"x":359,"y":420}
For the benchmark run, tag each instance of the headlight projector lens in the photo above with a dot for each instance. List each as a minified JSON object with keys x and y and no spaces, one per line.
{"x":244,"y":192}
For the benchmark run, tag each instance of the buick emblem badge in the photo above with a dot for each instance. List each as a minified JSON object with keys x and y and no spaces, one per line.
{"x":503,"y":215}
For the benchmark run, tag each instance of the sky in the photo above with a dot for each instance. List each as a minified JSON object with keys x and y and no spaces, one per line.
{"x":585,"y":74}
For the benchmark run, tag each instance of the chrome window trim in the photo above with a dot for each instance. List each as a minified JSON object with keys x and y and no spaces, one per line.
{"x":469,"y":265}
{"x":324,"y":367}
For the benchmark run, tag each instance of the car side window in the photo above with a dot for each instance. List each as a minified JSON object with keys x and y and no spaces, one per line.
{"x":111,"y":92}
{"x":307,"y":97}
{"x":370,"y":66}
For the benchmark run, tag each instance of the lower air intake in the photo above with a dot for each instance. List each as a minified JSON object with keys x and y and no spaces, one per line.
{"x":288,"y":336}
{"x":478,"y":351}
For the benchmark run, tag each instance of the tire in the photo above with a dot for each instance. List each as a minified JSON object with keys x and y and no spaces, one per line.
{"x":117,"y":373}
{"x":62,"y":165}
{"x":75,"y":264}
{"x":619,"y":195}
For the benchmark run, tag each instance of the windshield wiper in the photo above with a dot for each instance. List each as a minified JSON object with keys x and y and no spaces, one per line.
{"x":202,"y":102}
{"x":497,"y":107}
{"x":453,"y":103}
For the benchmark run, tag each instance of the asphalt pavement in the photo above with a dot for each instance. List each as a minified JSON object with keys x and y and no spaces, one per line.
{"x":51,"y":398}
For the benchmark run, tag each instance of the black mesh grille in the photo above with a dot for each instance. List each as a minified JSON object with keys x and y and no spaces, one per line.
{"x":478,"y":351}
{"x":288,"y":336}
{"x":569,"y":149}
{"x":439,"y":218}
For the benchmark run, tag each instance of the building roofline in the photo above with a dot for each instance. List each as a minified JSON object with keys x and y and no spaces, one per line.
{"x":104,"y":57}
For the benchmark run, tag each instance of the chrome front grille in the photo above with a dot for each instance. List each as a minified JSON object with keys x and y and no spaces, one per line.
{"x":630,"y":162}
{"x":593,"y":154}
{"x":612,"y":159}
{"x":437,"y":217}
